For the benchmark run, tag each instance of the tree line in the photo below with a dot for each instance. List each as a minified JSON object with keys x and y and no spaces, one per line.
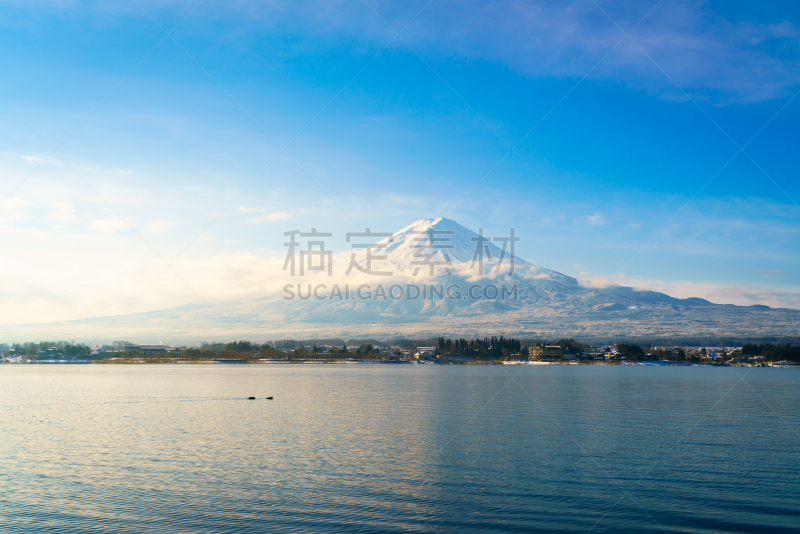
{"x":55,"y":347}
{"x":773,"y":353}
{"x":481,"y":345}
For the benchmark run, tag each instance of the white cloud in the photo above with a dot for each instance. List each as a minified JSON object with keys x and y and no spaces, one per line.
{"x":247,"y":209}
{"x":64,"y":212}
{"x":12,"y":210}
{"x":707,"y":50}
{"x":748,"y":295}
{"x":597,"y":219}
{"x":109,"y":225}
{"x":49,"y":160}
{"x":160,"y":227}
{"x":39,"y":290}
{"x":269,"y":217}
{"x":706,"y":54}
{"x":15,"y":204}
{"x":769,"y":273}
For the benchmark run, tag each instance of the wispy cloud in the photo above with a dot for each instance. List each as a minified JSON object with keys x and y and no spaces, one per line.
{"x":269,"y":217}
{"x":64,"y":212}
{"x":770,"y":271}
{"x":15,"y":204}
{"x":709,"y":52}
{"x":108,"y":225}
{"x":13,"y":210}
{"x":160,"y":227}
{"x":597,"y":219}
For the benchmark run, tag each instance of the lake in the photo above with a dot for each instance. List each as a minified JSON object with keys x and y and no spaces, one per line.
{"x":394,"y":448}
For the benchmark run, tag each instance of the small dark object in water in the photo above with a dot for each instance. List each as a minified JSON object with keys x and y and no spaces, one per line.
{"x":251,"y":398}
{"x":269,"y":398}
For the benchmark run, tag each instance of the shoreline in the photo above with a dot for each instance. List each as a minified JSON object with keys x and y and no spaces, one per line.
{"x":168,"y":361}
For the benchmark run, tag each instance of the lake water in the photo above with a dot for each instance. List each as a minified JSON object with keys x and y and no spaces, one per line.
{"x":391,"y":448}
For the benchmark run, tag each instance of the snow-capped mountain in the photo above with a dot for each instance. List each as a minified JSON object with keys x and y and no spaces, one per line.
{"x":436,"y":277}
{"x":457,"y":272}
{"x":434,"y":249}
{"x":456,"y":244}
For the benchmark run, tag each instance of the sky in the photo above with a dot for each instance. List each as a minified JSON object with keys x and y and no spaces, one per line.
{"x":153,"y":154}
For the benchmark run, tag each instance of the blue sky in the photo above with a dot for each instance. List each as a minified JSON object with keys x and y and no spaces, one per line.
{"x":625,"y":165}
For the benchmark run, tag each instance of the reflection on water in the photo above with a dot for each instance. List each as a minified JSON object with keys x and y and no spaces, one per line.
{"x":179,"y":448}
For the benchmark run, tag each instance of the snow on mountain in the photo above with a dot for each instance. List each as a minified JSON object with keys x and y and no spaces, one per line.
{"x":446,"y":235}
{"x":436,"y":248}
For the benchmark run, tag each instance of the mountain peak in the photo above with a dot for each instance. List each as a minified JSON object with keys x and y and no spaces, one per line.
{"x":447,"y":239}
{"x":424,"y":224}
